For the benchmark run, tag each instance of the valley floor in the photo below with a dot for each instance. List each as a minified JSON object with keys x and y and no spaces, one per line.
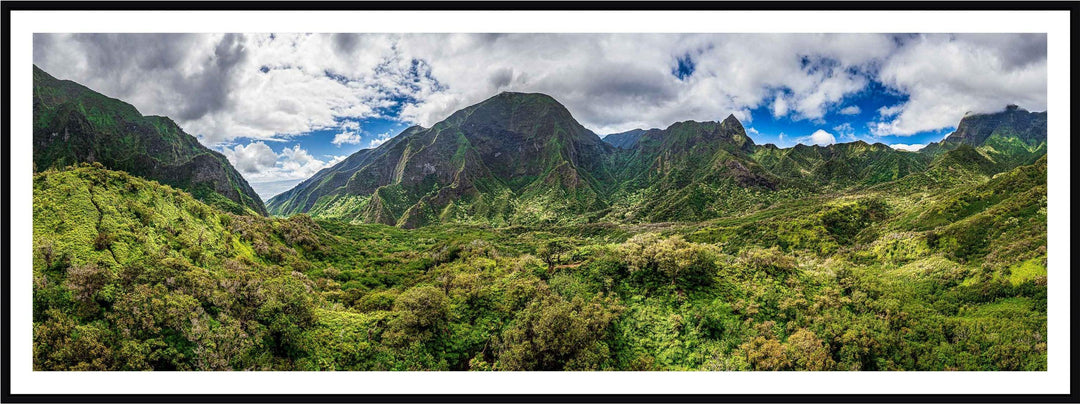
{"x":908,"y":275}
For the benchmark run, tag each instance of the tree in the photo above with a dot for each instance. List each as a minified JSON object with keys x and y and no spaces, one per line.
{"x":682,"y":264}
{"x":553,"y":251}
{"x":808,"y":352}
{"x":766,"y":354}
{"x":422,"y":312}
{"x":556,"y":334}
{"x":84,"y":281}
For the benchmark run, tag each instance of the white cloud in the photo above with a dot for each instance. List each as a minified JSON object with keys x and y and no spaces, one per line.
{"x":850,"y":110}
{"x":380,"y":139}
{"x":254,"y":158}
{"x":845,"y":132}
{"x":346,"y":137}
{"x":222,"y":87}
{"x":820,"y":138}
{"x":779,"y":107}
{"x":844,"y":129}
{"x":945,"y":76}
{"x":891,"y":111}
{"x":907,"y":147}
{"x":269,"y":172}
{"x":350,"y":126}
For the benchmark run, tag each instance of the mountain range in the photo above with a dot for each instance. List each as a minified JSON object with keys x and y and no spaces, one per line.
{"x":522,"y":159}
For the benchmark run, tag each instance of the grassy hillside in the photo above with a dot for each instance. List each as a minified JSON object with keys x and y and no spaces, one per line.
{"x":919,"y":273}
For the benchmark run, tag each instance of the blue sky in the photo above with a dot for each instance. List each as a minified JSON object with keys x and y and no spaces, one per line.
{"x":325,"y":147}
{"x":848,"y":121}
{"x":282,"y":107}
{"x":845,"y":123}
{"x":370,"y":132}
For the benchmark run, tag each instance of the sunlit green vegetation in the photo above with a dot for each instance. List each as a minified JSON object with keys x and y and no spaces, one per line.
{"x":133,"y":275}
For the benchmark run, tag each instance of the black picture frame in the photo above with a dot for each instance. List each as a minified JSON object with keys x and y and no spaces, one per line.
{"x":9,"y":6}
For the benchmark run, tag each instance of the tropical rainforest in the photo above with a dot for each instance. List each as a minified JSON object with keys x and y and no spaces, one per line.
{"x":510,"y":237}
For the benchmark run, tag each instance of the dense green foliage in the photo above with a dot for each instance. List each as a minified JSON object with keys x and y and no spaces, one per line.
{"x":508,"y":237}
{"x":130,"y":274}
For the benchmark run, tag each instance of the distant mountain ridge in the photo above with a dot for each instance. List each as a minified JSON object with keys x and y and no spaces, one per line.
{"x":625,"y":140}
{"x":521,"y":158}
{"x":74,"y":124}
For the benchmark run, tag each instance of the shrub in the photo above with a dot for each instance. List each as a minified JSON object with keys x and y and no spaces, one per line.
{"x":682,"y":264}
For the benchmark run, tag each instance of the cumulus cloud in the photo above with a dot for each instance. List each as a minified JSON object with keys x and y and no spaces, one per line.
{"x":890,"y":111}
{"x":254,"y":158}
{"x":850,"y":110}
{"x":845,"y":132}
{"x":350,"y":126}
{"x":346,"y":138}
{"x":223,"y":87}
{"x":820,"y":138}
{"x":269,"y":172}
{"x":907,"y":147}
{"x":380,"y":139}
{"x":844,"y":129}
{"x":945,"y":76}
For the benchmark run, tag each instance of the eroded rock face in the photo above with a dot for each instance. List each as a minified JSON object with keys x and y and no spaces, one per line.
{"x":73,"y":124}
{"x":1014,"y":121}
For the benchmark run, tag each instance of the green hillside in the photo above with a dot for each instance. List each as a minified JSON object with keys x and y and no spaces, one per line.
{"x":73,"y":124}
{"x":510,"y":237}
{"x":130,"y":274}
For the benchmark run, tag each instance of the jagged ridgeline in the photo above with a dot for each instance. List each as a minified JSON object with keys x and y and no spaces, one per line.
{"x":73,"y":124}
{"x":522,"y":159}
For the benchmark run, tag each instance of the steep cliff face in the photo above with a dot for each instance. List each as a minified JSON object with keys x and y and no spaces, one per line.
{"x":1008,"y":139}
{"x":1015,"y":122}
{"x":73,"y":124}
